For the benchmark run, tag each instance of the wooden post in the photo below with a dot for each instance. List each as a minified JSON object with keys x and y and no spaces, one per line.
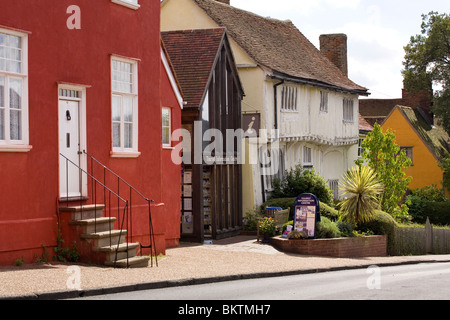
{"x":428,"y":237}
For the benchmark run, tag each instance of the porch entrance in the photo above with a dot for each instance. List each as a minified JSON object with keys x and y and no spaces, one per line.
{"x":71,"y":126}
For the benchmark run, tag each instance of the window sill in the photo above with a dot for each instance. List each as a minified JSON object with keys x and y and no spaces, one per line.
{"x":168,"y":147}
{"x":18,"y":148}
{"x":124,"y":154}
{"x":127,"y":4}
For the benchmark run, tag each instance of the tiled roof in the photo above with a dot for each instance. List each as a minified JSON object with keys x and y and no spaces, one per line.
{"x":435,"y":138}
{"x":193,"y":54}
{"x":277,"y":45}
{"x":364,"y":125}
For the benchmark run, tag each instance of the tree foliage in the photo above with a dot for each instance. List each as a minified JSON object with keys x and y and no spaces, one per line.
{"x":427,"y":58}
{"x":445,"y":166}
{"x":384,"y":156}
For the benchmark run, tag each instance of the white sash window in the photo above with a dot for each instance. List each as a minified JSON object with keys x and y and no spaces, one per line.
{"x":13,"y":91}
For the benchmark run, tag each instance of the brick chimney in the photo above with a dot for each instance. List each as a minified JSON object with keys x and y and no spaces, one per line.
{"x":334,"y":47}
{"x":224,"y":1}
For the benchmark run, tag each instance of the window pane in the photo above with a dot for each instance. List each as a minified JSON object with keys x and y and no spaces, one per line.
{"x":10,"y":53}
{"x":122,"y":76}
{"x":15,"y":93}
{"x":116,"y":135}
{"x":2,"y":106}
{"x":2,"y":124}
{"x":128,"y":135}
{"x":116,"y":108}
{"x":15,"y":124}
{"x":2,"y":92}
{"x":128,"y":109}
{"x":165,"y":117}
{"x":166,"y":136}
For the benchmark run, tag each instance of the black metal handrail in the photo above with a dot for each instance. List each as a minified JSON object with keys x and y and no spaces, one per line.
{"x":96,"y":182}
{"x":152,"y":243}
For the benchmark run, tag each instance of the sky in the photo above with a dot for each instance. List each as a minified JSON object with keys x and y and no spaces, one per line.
{"x":377,"y":32}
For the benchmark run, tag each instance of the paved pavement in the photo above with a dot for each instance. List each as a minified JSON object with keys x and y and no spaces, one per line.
{"x":189,"y":264}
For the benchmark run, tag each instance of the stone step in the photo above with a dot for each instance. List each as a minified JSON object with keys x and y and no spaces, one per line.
{"x":110,"y":251}
{"x":135,"y":262}
{"x":106,"y":238}
{"x":95,"y":225}
{"x":89,"y":211}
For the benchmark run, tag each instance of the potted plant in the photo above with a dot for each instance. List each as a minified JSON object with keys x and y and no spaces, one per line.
{"x":268,"y":228}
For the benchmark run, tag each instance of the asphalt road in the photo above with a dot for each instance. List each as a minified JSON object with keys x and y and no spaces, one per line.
{"x":407,"y":282}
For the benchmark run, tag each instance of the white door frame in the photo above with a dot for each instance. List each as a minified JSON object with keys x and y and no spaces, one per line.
{"x":66,"y":92}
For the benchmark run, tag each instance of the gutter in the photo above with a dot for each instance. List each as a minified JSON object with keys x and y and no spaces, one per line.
{"x":320,"y":85}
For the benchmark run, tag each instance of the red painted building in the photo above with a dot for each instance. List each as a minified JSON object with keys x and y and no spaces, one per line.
{"x":79,"y":81}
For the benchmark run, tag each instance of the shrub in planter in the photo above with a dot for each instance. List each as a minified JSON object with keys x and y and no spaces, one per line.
{"x":297,"y":235}
{"x":382,"y":224}
{"x":345,"y":228}
{"x":329,"y":212}
{"x":327,"y":229}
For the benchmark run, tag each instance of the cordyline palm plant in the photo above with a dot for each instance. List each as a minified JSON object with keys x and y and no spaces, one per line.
{"x":361,"y":188}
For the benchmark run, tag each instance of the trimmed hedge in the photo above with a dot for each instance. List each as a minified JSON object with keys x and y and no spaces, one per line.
{"x":383,"y":224}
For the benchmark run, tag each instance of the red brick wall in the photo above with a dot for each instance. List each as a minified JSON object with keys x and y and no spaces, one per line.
{"x":334,"y":47}
{"x":373,"y":246}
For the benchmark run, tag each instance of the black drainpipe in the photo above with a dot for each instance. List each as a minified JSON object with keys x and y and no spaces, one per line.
{"x":275,"y":86}
{"x":275,"y":105}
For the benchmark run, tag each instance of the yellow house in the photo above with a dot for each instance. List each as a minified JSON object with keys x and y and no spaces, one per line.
{"x":423,"y":143}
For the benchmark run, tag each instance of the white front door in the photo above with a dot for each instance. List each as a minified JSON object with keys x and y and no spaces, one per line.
{"x":69,"y":146}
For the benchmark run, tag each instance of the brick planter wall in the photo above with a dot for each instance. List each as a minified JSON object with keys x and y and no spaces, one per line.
{"x":372,"y":246}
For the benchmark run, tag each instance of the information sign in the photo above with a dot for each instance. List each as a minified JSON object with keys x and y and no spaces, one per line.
{"x":307,"y":214}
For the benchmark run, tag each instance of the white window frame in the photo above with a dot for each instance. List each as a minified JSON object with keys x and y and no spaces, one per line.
{"x":307,"y":157}
{"x":167,"y":144}
{"x":132,"y":4}
{"x":348,"y":110}
{"x":323,"y":101}
{"x":289,"y":98}
{"x":7,"y":144}
{"x":360,"y":148}
{"x":121,"y":151}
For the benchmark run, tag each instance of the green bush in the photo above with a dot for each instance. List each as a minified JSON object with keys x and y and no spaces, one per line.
{"x":327,"y":229}
{"x":383,"y":224}
{"x":297,"y":181}
{"x":438,"y":212}
{"x":430,"y":193}
{"x":420,"y":208}
{"x":329,"y":212}
{"x":345,"y":228}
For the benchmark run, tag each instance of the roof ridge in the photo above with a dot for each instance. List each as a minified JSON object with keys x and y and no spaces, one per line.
{"x":278,"y":45}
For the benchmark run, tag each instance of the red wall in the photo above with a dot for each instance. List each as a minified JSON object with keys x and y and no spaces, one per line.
{"x":29,"y":182}
{"x":170,"y":172}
